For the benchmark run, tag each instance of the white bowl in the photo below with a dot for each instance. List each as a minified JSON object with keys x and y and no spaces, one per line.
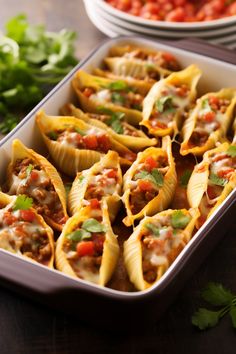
{"x":227,"y":21}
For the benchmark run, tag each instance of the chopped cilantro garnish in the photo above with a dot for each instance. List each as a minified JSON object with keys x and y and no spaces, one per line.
{"x":22,"y":202}
{"x":179,"y":220}
{"x":118,"y":86}
{"x":185,"y":178}
{"x":217,"y":180}
{"x":155,"y":176}
{"x":231,"y":151}
{"x":78,"y":235}
{"x":79,"y":131}
{"x":206,"y":106}
{"x":29,"y":169}
{"x":92,"y":225}
{"x":154,"y":229}
{"x":165,"y":104}
{"x":117,"y":98}
{"x":52,"y":135}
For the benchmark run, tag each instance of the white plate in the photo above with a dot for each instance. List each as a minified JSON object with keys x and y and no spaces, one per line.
{"x":165,"y":24}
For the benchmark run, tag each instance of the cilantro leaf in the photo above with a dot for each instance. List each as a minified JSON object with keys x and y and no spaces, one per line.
{"x":118,"y":86}
{"x":185,"y":178}
{"x":206,"y":106}
{"x":217,"y":180}
{"x":204,"y":318}
{"x":179,"y":220}
{"x":154,"y":229}
{"x":22,"y":202}
{"x":165,"y":104}
{"x":117,"y":127}
{"x":92,"y":225}
{"x":117,"y":98}
{"x":155,"y":176}
{"x":231,"y":151}
{"x":52,"y":135}
{"x":78,"y":235}
{"x":217,"y":295}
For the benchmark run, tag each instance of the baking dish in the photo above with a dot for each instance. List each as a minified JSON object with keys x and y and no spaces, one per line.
{"x":104,"y":306}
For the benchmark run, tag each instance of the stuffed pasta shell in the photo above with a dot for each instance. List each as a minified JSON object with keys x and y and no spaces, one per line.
{"x":32,"y":174}
{"x":166,"y":102}
{"x":209,"y":121}
{"x":155,"y":244}
{"x":212,"y":180}
{"x":117,"y":95}
{"x":23,"y":231}
{"x":149,"y":184}
{"x":87,"y":248}
{"x":116,"y":124}
{"x":102,"y":180}
{"x":75,"y":145}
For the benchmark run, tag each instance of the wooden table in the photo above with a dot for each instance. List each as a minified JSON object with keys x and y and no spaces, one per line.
{"x":26,"y":327}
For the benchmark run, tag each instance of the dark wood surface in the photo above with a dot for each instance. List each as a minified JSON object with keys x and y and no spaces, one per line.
{"x":27,"y":327}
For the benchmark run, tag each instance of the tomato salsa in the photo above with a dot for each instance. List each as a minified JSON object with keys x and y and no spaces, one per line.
{"x":177,"y":10}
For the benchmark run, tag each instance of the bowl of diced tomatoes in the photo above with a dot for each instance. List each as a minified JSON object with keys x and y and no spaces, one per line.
{"x":173,"y":14}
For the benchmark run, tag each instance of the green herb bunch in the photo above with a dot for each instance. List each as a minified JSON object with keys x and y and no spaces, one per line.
{"x":32,"y":60}
{"x":222,"y":299}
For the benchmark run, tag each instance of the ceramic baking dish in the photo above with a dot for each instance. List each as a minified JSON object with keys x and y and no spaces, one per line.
{"x":105,"y":306}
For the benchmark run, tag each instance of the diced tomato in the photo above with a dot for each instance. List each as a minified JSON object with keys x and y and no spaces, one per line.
{"x":209,"y":116}
{"x":88,"y":91}
{"x":182,"y":91}
{"x":90,"y":141}
{"x":104,"y":142}
{"x":112,"y":174}
{"x":176,"y":15}
{"x":213,"y":100}
{"x":226,"y":172}
{"x":27,"y":215}
{"x":145,"y":186}
{"x":34,"y":175}
{"x":150,"y":163}
{"x":85,"y":248}
{"x":8,"y":218}
{"x":79,"y":139}
{"x":168,"y":57}
{"x":94,"y":203}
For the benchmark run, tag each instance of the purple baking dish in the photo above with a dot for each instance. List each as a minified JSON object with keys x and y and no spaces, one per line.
{"x":104,"y":306}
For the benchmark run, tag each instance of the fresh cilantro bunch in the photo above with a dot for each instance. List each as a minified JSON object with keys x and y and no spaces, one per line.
{"x":225,"y":302}
{"x":32,"y":60}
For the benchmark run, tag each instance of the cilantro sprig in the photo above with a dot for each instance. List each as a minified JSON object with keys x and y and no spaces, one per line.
{"x":231,"y":151}
{"x":115,"y":119}
{"x":165,"y":104}
{"x":32,"y":60}
{"x":22,"y":202}
{"x":217,"y":180}
{"x":221,"y":298}
{"x":179,"y":220}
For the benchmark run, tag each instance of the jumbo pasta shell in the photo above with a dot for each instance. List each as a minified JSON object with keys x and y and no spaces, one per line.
{"x":212,"y":130}
{"x":67,"y":156}
{"x":135,"y":258}
{"x":20,"y":152}
{"x":169,"y":120}
{"x":212,"y":180}
{"x":110,"y":249}
{"x":103,"y":187}
{"x":82,"y":80}
{"x":137,"y":141}
{"x":21,"y":233}
{"x":165,"y":192}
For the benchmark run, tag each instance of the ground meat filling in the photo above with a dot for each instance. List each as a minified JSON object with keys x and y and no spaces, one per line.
{"x":161,"y":244}
{"x":208,"y":120}
{"x":102,"y":184}
{"x":144,"y":186}
{"x":30,"y":179}
{"x":24,"y":237}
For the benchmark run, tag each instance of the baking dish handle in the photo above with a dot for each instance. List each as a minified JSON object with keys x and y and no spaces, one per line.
{"x":200,"y":46}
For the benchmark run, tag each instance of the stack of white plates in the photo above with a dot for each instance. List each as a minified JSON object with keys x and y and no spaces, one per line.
{"x":113,"y":22}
